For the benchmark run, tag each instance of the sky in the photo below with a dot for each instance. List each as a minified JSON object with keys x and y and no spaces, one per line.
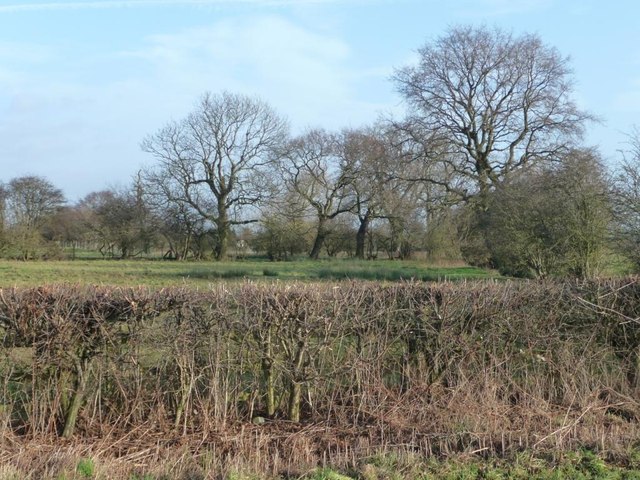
{"x":83,"y":82}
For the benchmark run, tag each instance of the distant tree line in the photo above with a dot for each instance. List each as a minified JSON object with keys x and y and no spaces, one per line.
{"x":488,"y":165}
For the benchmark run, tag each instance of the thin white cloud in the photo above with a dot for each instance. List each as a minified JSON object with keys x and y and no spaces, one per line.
{"x":109,"y":4}
{"x":93,"y":128}
{"x":305,"y":72}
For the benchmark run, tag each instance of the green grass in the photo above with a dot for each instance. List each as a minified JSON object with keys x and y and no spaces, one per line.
{"x":578,"y":465}
{"x":618,"y":265}
{"x":86,"y":468}
{"x":157,"y":273}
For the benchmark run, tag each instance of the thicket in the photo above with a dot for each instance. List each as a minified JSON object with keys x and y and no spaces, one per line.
{"x":285,"y":377}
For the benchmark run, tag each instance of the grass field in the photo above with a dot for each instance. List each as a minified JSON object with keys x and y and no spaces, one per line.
{"x":156,"y":273}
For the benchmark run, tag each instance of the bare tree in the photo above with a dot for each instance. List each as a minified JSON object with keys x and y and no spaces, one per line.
{"x":3,"y":208}
{"x":384,"y":186}
{"x":67,"y":227}
{"x":285,"y":229}
{"x":314,"y":170}
{"x":626,"y":200}
{"x":484,"y":104}
{"x":367,"y":157}
{"x":183,"y":229}
{"x":401,"y":208}
{"x":218,"y":159}
{"x":120,"y":221}
{"x":30,"y":200}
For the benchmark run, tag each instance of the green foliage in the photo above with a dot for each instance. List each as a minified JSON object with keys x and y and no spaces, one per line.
{"x":326,"y":474}
{"x":268,"y":272}
{"x":554,"y":222}
{"x":578,"y":465}
{"x":86,"y":468}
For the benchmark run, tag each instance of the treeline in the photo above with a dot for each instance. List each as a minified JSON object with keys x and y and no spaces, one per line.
{"x":489,"y":165}
{"x":439,"y":368}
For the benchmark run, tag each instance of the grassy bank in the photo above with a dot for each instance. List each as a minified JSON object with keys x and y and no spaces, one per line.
{"x":157,"y":273}
{"x":86,"y":461}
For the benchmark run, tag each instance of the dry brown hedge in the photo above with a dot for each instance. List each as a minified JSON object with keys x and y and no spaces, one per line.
{"x":251,"y":369}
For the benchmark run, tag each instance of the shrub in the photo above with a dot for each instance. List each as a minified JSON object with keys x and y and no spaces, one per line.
{"x":447,"y":367}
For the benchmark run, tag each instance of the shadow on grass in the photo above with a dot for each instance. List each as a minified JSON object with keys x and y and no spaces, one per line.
{"x":213,"y":274}
{"x":310,"y":271}
{"x":395,"y":275}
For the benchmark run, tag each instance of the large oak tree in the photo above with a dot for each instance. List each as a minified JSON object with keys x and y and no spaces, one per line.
{"x":217,"y":160}
{"x":485,"y":103}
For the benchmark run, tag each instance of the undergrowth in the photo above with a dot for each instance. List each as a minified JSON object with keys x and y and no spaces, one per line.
{"x":368,"y":381}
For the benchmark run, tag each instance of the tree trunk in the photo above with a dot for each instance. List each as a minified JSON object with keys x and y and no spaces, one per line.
{"x":222,"y":224}
{"x":321,"y":235}
{"x":484,"y":187}
{"x":268,"y":374}
{"x":71,"y":416}
{"x":184,"y":253}
{"x":361,"y":236}
{"x":295,"y":397}
{"x":297,"y":378}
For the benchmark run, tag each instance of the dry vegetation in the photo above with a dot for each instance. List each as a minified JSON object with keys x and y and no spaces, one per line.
{"x":279,"y":379}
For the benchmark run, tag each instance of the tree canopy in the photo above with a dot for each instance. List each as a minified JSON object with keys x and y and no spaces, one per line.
{"x":217,"y":159}
{"x":485,"y":103}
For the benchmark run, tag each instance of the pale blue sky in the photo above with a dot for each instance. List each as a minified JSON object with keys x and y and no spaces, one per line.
{"x":82,"y":82}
